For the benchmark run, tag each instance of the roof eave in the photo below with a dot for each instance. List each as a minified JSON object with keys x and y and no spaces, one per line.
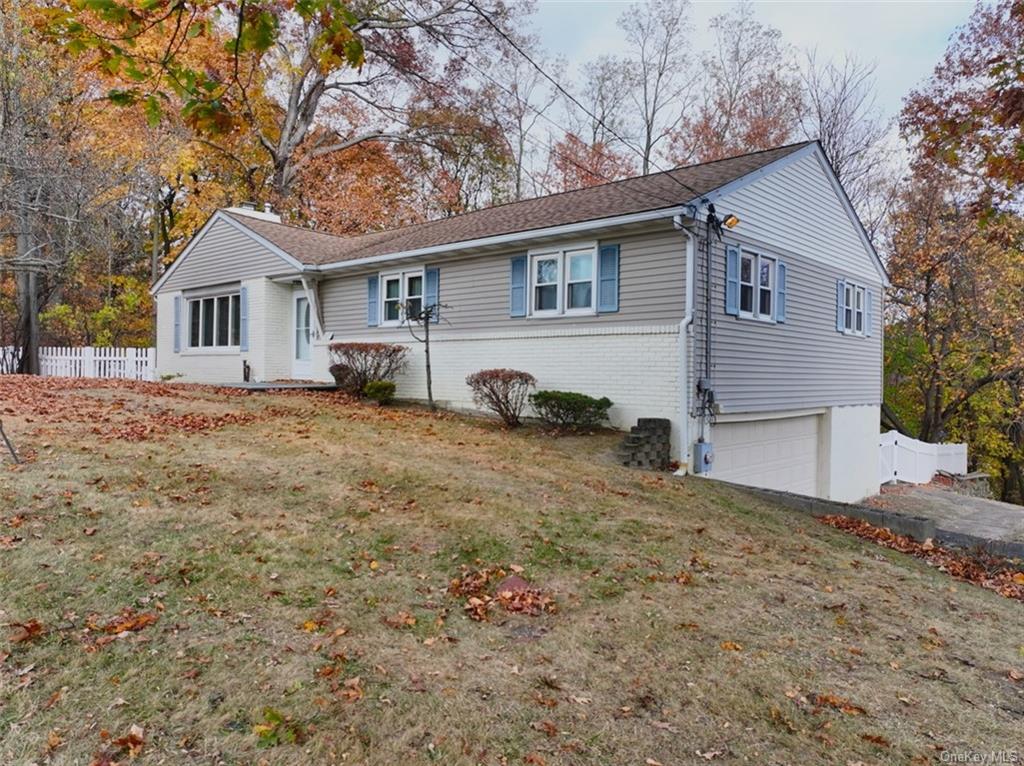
{"x":502,"y":239}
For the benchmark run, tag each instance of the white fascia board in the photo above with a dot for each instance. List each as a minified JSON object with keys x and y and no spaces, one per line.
{"x":220,"y":216}
{"x":819,"y":154}
{"x":501,"y":239}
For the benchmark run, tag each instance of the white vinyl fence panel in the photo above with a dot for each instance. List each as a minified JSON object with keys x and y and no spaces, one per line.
{"x":915,"y":462}
{"x":92,"y":362}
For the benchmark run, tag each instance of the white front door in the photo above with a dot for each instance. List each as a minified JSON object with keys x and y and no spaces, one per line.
{"x":302,"y":356}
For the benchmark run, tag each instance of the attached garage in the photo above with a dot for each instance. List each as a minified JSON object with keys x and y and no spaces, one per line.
{"x":774,"y":452}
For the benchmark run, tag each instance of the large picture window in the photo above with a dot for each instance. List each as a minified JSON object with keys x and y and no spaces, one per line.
{"x":214,"y":322}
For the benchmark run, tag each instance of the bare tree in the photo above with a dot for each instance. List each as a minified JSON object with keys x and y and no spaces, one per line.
{"x":658,"y":69}
{"x":605,"y":92}
{"x":54,"y":202}
{"x":520,"y":99}
{"x":751,"y":92}
{"x":840,"y":111}
{"x":326,"y":106}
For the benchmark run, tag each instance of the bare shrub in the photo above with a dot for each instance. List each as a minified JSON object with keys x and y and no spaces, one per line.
{"x":503,"y":392}
{"x":353,"y":365}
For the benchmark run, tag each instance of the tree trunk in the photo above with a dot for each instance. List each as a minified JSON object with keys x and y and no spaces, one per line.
{"x":426,"y":355}
{"x":28,"y":298}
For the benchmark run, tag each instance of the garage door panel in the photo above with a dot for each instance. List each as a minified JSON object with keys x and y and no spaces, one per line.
{"x":775,"y":454}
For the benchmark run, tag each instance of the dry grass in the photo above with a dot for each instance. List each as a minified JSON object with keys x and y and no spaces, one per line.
{"x":692,"y":620}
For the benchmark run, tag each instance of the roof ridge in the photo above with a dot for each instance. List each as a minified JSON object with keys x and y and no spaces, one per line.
{"x":409,"y":226}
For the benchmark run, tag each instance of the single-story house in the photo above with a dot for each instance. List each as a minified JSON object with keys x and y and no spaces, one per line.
{"x":741,"y":299}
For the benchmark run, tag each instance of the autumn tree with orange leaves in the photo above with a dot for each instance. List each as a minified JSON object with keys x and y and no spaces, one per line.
{"x":955,"y":344}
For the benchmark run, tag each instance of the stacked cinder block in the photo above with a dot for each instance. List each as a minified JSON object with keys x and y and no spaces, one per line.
{"x":648,"y":445}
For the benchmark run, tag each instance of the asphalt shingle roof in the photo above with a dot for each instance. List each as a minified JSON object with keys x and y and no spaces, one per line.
{"x":631,"y":195}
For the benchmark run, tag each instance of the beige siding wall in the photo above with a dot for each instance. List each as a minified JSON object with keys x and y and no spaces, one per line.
{"x":223,"y":255}
{"x":651,"y":291}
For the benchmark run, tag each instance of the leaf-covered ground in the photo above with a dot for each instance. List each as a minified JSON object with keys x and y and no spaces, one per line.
{"x":189,"y":576}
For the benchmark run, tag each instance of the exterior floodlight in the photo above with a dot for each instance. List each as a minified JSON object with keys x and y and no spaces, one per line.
{"x":731,"y":221}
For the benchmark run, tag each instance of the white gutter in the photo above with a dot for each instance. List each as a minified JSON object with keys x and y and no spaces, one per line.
{"x":685,"y":328}
{"x":503,"y":239}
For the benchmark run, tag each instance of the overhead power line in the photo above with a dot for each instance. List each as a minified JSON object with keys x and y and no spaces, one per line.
{"x":558,"y":86}
{"x":644,"y":197}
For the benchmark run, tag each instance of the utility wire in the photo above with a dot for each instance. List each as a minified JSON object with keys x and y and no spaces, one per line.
{"x":646,"y":195}
{"x":570,"y":96}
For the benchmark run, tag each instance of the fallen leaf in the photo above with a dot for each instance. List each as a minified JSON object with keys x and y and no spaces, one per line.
{"x":53,"y":741}
{"x":1015,"y":675}
{"x":546,"y":726}
{"x":876,"y":739}
{"x":400,"y":620}
{"x":26,"y":631}
{"x":731,"y":646}
{"x":133,"y":741}
{"x":838,"y":703}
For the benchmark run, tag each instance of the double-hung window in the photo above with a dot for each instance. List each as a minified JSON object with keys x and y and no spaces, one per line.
{"x":563,"y":282}
{"x":854,"y":309}
{"x":402,"y":296}
{"x":757,"y":286}
{"x":214,"y":322}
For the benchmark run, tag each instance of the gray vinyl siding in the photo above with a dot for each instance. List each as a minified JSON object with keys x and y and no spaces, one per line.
{"x":223,"y":255}
{"x":652,"y":268}
{"x":795,"y":216}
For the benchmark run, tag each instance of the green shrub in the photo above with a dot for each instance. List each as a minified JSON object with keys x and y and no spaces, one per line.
{"x":381,"y":391}
{"x":569,"y":410}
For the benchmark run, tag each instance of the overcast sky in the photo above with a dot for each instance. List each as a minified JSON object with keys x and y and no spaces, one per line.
{"x":905,"y":39}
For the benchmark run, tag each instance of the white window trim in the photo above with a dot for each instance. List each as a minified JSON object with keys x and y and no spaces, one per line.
{"x":755,"y":283}
{"x":403,"y":281}
{"x":200,"y":350}
{"x":856,"y":289}
{"x":560,"y":253}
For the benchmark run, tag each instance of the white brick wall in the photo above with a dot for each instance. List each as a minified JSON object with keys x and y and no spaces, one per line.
{"x":269,"y":339}
{"x":636,"y":367}
{"x":191,"y":366}
{"x":270,"y":329}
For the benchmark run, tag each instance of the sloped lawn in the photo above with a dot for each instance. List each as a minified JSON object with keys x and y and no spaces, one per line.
{"x":193,"y":577}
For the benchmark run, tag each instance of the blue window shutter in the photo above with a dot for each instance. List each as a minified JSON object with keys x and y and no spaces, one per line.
{"x":732,"y":280}
{"x":608,"y":279}
{"x":177,"y":324}
{"x":243,"y":319}
{"x":517,"y":291}
{"x":372,"y":309}
{"x":432,"y":291}
{"x":869,"y":311}
{"x":780,"y":292}
{"x":840,"y":305}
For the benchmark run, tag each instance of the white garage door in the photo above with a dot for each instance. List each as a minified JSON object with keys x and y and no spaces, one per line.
{"x":774,"y":454}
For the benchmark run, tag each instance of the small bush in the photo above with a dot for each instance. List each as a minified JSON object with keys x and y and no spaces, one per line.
{"x":569,"y":410}
{"x":382,"y":391}
{"x":356,"y":364}
{"x":503,"y":392}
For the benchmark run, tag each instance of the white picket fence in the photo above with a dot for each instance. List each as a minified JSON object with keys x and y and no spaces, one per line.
{"x":94,"y":362}
{"x":915,"y":462}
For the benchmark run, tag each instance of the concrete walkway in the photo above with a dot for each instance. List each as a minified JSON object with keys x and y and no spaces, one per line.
{"x":955,"y":514}
{"x":281,"y":385}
